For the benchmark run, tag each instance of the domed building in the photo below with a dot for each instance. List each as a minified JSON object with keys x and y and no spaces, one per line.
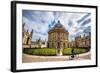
{"x":58,"y":37}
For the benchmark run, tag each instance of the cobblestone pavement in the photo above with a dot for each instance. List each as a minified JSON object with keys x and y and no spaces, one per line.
{"x":31,"y":58}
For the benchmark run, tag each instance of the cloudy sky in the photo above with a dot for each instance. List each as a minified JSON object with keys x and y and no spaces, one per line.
{"x":42,"y":21}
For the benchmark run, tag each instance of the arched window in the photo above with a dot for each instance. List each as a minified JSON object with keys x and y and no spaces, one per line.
{"x":58,"y":46}
{"x":52,"y":44}
{"x":48,"y":45}
{"x":64,"y":45}
{"x":27,"y":40}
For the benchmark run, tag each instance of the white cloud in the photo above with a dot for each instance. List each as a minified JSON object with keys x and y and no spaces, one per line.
{"x":40,"y":21}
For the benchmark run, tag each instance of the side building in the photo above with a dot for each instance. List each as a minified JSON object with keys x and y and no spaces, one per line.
{"x":27,"y":40}
{"x":83,"y":42}
{"x":26,"y":37}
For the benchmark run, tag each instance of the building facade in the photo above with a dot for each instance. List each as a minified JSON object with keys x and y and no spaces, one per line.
{"x":39,"y":44}
{"x":27,"y":40}
{"x":72,"y":44}
{"x":26,"y":37}
{"x":83,"y":42}
{"x":58,"y":37}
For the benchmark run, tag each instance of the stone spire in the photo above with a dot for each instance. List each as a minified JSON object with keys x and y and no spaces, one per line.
{"x":23,"y":27}
{"x":31,"y":33}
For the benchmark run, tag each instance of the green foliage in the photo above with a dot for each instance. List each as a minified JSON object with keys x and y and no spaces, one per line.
{"x":80,"y":50}
{"x":68,"y":51}
{"x":52,"y":52}
{"x":41,"y":51}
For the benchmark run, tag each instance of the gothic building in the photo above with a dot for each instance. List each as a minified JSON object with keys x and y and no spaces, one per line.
{"x":72,"y":44}
{"x":80,"y":42}
{"x":26,"y":36}
{"x":39,"y":44}
{"x":83,"y":42}
{"x":27,"y":40}
{"x":58,"y":37}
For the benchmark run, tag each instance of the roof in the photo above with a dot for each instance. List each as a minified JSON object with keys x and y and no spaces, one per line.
{"x":59,"y":26}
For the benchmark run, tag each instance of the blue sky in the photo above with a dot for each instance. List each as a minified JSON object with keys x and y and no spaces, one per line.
{"x":42,"y":21}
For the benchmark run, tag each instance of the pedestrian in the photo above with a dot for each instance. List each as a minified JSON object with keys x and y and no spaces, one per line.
{"x":72,"y":53}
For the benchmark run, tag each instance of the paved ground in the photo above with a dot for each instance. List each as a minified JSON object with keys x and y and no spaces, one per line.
{"x":32,"y":58}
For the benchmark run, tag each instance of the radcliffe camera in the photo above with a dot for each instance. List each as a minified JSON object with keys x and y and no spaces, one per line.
{"x":55,"y":36}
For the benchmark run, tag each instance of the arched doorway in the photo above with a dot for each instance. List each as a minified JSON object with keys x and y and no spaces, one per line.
{"x":58,"y":48}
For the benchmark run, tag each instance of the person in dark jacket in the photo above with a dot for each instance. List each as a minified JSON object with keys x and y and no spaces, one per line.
{"x":72,"y":53}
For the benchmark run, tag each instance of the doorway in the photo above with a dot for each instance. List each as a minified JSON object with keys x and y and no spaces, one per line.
{"x":58,"y":48}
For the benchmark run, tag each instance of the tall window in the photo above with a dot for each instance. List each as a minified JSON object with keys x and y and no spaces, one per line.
{"x":58,"y":45}
{"x":52,"y":44}
{"x":64,"y":45}
{"x":48,"y":45}
{"x":27,"y":40}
